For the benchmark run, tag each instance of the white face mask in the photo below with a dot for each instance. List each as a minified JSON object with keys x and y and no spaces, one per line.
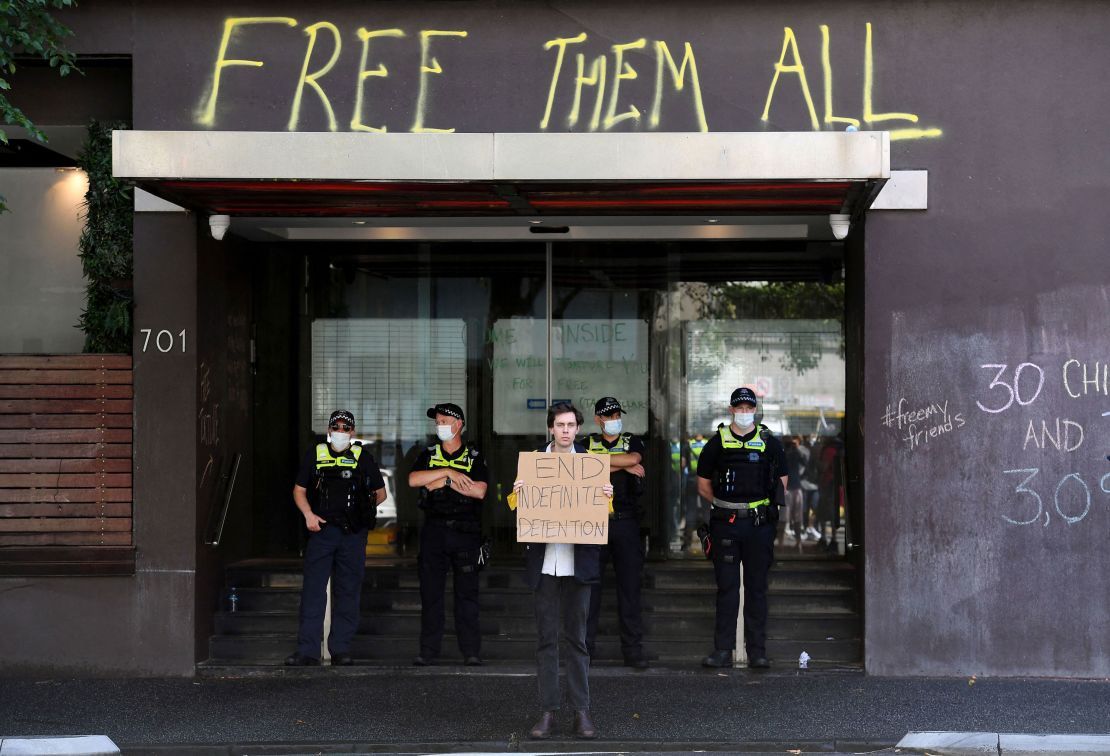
{"x":444,"y":432}
{"x":744,"y":419}
{"x":612,"y":427}
{"x":339,"y":441}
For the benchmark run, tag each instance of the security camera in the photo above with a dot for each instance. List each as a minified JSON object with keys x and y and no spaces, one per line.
{"x":838,"y":222}
{"x":218,"y":224}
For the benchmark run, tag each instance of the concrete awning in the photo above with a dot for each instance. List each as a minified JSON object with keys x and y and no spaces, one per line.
{"x":494,"y":180}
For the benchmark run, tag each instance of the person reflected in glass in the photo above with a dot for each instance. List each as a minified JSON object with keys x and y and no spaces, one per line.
{"x":790,"y":523}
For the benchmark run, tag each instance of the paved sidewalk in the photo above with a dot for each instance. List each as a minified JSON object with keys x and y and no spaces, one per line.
{"x":490,"y":710}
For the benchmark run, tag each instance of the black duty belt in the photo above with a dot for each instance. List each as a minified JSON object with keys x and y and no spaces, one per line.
{"x":462,"y":526}
{"x":720,"y":513}
{"x":624,"y":514}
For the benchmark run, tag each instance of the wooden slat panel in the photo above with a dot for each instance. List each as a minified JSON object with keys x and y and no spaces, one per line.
{"x":90,"y":391}
{"x":66,"y":480}
{"x":63,"y":377}
{"x":76,"y":436}
{"x":63,"y":451}
{"x":65,"y":361}
{"x":67,"y":509}
{"x":66,"y":422}
{"x":65,"y":406}
{"x":65,"y":465}
{"x":60,"y":560}
{"x":65,"y":524}
{"x":64,"y":494}
{"x":66,"y":539}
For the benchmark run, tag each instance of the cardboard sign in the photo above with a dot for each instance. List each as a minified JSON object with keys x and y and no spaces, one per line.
{"x":562,"y":500}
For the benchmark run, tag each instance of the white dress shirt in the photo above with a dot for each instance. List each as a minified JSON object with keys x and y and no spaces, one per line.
{"x":558,"y":558}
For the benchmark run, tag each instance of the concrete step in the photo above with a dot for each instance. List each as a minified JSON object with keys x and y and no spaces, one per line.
{"x":828,"y":599}
{"x":655,"y":626}
{"x":274,"y":647}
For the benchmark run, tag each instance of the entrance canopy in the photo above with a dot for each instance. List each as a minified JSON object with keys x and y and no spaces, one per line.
{"x":323,"y":185}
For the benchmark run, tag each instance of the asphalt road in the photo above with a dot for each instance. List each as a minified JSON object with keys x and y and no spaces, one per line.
{"x":443,"y":706}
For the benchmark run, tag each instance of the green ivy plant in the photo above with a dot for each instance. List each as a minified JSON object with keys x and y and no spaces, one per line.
{"x":28,"y":29}
{"x":106,"y":247}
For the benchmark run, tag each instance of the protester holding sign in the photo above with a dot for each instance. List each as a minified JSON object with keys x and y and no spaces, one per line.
{"x":562,"y":558}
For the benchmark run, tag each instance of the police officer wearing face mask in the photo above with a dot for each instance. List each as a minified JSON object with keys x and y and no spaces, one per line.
{"x":625,"y":547}
{"x":742,"y":470}
{"x":338,"y":489}
{"x":452,"y":479}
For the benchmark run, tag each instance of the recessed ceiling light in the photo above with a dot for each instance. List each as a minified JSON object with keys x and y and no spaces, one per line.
{"x":711,"y":220}
{"x":360,"y":223}
{"x":535,"y":222}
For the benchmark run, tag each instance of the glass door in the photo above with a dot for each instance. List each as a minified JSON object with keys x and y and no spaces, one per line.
{"x":670,"y":329}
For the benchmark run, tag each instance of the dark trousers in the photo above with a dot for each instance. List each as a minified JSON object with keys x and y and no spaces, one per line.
{"x":734,"y":544}
{"x":443,"y":548}
{"x":562,"y":603}
{"x":626,"y":552}
{"x":331,"y":553}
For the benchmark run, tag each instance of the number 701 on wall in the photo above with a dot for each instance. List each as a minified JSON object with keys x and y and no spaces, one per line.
{"x":164,"y":341}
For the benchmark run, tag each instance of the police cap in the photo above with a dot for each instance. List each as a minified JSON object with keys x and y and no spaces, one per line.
{"x":343,"y":415}
{"x":743,"y":395}
{"x":607,"y":405}
{"x":447,"y":408}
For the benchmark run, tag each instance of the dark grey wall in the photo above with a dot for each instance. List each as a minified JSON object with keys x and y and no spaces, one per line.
{"x":1006,"y":267}
{"x":223,"y":418}
{"x":141,"y":624}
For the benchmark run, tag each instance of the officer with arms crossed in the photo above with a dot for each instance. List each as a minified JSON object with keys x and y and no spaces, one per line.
{"x":742,"y":470}
{"x":452,"y":479}
{"x":338,"y":489}
{"x":625,"y":548}
{"x":561,"y":576}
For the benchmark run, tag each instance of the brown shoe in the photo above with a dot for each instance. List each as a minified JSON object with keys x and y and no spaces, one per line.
{"x":584,"y":727}
{"x":542,"y":729}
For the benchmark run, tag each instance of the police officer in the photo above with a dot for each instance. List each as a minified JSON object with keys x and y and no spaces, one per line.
{"x":624,"y":548}
{"x":741,"y":470}
{"x":452,"y":479}
{"x":338,"y":489}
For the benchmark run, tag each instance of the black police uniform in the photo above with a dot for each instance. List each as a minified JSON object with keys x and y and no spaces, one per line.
{"x":624,"y":548}
{"x":450,"y":539}
{"x":744,"y":470}
{"x":341,"y":488}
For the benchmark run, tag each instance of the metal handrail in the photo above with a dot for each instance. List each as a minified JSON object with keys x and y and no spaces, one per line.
{"x":231,"y":477}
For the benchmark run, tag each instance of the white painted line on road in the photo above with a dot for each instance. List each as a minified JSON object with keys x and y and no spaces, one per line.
{"x":82,"y":745}
{"x":1014,"y":744}
{"x":942,"y":743}
{"x":950,"y":743}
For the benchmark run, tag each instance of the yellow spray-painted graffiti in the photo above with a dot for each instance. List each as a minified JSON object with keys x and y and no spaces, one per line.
{"x":208,"y":114}
{"x":678,"y":75}
{"x":312,"y":79}
{"x":429,"y":65}
{"x":622,"y":71}
{"x":599,"y":77}
{"x":870,"y":117}
{"x":363,"y":74}
{"x":790,"y":44}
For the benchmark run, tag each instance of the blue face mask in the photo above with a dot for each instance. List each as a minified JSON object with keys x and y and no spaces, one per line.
{"x":612,"y":427}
